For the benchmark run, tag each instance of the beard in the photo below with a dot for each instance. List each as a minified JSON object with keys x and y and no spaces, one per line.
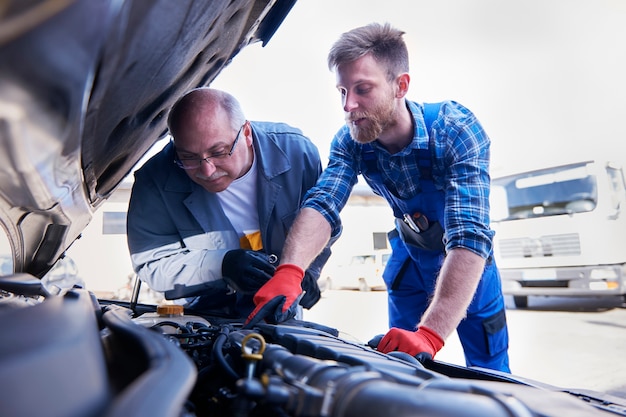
{"x":374,"y":123}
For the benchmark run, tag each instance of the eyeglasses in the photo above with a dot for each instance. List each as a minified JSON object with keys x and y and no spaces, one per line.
{"x":195,"y":163}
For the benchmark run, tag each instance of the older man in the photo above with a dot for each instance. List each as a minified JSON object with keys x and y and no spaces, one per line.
{"x":212,"y":209}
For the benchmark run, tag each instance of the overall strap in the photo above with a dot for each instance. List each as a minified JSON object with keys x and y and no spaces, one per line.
{"x":431,"y":111}
{"x":425,"y":156}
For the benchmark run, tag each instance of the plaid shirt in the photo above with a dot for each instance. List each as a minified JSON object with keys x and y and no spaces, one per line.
{"x":460,"y":168}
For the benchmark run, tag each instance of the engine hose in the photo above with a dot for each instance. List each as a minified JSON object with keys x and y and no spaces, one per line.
{"x":327,"y":388}
{"x":218,"y":353}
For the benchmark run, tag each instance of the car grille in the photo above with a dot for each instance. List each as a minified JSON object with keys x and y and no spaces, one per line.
{"x":550,"y":245}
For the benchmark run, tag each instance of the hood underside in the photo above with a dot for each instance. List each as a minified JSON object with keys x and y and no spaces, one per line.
{"x":85,"y":87}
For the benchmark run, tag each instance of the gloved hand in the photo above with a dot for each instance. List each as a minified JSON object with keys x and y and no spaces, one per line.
{"x":278,"y":299}
{"x":246,"y":270}
{"x":422,"y":341}
{"x":312,"y":293}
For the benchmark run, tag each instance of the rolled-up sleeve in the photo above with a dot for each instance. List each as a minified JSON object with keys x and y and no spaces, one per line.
{"x":333,"y":188}
{"x":467,"y":183}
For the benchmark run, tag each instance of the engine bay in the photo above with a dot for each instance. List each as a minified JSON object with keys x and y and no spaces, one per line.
{"x":86,"y":357}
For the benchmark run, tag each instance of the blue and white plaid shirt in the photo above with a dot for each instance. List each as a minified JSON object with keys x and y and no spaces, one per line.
{"x":460,"y":168}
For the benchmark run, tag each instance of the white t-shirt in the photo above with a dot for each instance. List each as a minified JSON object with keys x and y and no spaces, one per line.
{"x":239,"y":202}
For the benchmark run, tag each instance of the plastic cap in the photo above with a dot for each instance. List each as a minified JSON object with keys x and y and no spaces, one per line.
{"x":170,"y":310}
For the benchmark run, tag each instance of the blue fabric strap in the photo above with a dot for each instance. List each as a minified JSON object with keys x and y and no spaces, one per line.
{"x":425,"y":156}
{"x":431,"y":111}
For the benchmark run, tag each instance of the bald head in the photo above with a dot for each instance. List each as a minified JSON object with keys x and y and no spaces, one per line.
{"x":203,"y":106}
{"x":209,"y":129}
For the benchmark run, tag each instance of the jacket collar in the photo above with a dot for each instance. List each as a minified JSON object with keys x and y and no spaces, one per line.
{"x":271,"y":159}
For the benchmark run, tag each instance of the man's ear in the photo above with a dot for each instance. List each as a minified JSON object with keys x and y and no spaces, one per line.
{"x":247,"y":131}
{"x":402,"y":83}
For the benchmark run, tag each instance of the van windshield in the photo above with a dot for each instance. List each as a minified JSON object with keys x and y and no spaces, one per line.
{"x":560,"y":190}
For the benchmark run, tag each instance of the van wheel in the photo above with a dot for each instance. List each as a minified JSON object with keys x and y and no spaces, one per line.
{"x":363,"y":285}
{"x":520,"y":301}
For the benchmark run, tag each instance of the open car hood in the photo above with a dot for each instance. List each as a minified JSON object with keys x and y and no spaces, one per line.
{"x":85,"y":87}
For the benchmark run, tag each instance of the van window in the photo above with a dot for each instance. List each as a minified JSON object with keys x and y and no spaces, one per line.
{"x":560,"y":190}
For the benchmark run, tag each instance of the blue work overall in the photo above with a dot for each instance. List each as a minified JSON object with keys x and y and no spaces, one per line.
{"x":411,"y":273}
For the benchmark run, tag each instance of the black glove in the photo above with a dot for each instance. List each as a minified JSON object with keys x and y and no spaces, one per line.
{"x":312,"y":293}
{"x":246,"y":270}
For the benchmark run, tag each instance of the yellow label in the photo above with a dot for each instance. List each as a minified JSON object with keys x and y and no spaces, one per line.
{"x":251,"y":241}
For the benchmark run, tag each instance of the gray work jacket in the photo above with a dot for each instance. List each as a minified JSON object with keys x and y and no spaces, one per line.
{"x":177,"y":231}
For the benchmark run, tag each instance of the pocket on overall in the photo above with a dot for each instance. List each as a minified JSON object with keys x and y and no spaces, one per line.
{"x":430,"y":239}
{"x":496,"y":332}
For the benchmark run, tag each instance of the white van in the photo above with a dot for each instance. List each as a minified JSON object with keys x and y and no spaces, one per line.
{"x":561,"y":231}
{"x":363,"y":272}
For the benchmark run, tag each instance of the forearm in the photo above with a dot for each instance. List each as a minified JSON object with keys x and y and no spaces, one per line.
{"x":189,"y":267}
{"x":455,"y":288}
{"x":307,"y":237}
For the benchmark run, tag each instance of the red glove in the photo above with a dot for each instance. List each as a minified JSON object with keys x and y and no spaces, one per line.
{"x":424,"y":340}
{"x":277,"y":300}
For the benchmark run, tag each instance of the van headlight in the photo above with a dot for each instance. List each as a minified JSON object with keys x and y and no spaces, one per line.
{"x":603,"y":273}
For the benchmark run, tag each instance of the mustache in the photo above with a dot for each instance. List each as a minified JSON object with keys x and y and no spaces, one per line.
{"x":351,"y":117}
{"x":212,"y":177}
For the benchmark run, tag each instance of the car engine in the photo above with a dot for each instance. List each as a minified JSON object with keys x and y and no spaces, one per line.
{"x":74,"y":355}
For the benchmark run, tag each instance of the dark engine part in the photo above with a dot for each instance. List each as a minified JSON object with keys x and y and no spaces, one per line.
{"x":80,"y":358}
{"x":280,"y":370}
{"x":311,"y":387}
